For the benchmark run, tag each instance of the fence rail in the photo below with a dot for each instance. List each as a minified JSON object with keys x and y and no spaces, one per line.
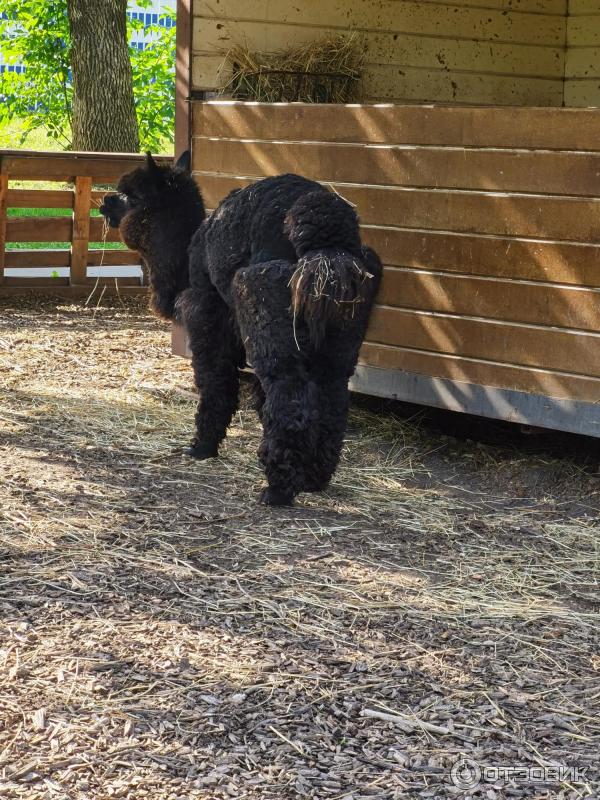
{"x":64,"y":251}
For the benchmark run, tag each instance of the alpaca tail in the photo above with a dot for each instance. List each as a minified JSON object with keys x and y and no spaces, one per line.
{"x":334,"y":276}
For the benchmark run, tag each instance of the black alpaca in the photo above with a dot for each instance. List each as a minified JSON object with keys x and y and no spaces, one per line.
{"x":158,"y":210}
{"x":261,"y":256}
{"x":278,"y":274}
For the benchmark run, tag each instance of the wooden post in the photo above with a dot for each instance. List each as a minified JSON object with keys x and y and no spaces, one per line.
{"x":183,"y":75}
{"x":3,"y":209}
{"x":80,"y":240}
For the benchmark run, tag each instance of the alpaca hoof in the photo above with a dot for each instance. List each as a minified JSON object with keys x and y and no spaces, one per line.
{"x":201,"y":451}
{"x":274,"y":497}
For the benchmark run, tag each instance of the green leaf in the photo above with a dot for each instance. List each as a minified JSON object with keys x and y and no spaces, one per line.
{"x":36,"y":34}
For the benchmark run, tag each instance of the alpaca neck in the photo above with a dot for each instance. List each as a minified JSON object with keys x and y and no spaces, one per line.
{"x":167,"y":280}
{"x":165,"y":253}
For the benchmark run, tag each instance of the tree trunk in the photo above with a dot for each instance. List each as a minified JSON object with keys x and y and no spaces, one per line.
{"x":104,"y":116}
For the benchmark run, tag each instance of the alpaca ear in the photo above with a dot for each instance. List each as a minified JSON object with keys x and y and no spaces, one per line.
{"x":184,"y":162}
{"x":151,"y":163}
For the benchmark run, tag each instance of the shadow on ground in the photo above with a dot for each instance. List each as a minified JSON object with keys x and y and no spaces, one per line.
{"x":166,"y":637}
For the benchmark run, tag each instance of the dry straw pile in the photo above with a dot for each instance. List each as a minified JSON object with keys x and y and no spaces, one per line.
{"x":325,"y":71}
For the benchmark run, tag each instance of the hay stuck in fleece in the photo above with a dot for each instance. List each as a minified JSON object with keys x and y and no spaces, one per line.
{"x":337,"y":277}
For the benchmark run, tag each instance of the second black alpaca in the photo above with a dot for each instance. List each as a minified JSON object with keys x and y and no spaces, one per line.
{"x":158,"y":209}
{"x":278,"y":278}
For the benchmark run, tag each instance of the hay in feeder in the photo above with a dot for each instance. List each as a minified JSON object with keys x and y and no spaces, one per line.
{"x":325,"y":71}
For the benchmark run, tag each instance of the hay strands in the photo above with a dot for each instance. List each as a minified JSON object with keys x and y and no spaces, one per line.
{"x":328,"y":70}
{"x":407,"y":724}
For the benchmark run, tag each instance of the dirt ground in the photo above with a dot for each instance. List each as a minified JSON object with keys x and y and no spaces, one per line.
{"x":163,"y":636}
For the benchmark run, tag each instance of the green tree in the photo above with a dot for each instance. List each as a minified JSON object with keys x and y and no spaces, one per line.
{"x":154,"y":84}
{"x":103,"y":117}
{"x":42,"y":96}
{"x":36,"y":33}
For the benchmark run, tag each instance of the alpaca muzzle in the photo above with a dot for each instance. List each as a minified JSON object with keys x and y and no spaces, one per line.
{"x":113,"y":209}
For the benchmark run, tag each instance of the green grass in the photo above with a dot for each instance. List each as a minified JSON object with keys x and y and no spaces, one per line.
{"x":38,"y":139}
{"x":45,"y":212}
{"x":40,"y":212}
{"x":10,"y":138}
{"x":54,"y":212}
{"x":62,"y":246}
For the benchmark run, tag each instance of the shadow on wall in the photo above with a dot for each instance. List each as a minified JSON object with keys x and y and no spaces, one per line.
{"x":492,"y":260}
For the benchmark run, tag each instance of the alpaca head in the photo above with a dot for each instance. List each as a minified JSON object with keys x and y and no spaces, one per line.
{"x":157,"y":210}
{"x":147,"y":191}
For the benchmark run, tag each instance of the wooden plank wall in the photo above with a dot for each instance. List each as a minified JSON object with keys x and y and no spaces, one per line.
{"x":488,"y":222}
{"x":460,"y":51}
{"x":582,"y":66}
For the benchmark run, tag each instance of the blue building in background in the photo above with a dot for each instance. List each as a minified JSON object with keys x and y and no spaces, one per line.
{"x":153,"y":15}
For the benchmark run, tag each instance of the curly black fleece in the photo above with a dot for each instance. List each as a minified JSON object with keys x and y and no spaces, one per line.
{"x":158,"y":209}
{"x":245,"y":259}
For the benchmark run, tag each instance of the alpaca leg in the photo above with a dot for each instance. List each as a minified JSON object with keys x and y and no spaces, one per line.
{"x":289,"y":412}
{"x":332,"y":366}
{"x":334,"y":401}
{"x":289,"y":432}
{"x":216,"y":357}
{"x":258,"y":397}
{"x":218,"y":385}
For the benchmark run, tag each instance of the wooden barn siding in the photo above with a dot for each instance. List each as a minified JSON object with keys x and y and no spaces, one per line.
{"x":468,"y":51}
{"x":489,"y":278}
{"x":582,"y":66}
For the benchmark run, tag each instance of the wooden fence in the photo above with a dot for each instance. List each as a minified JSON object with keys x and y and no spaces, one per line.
{"x":78,"y":181}
{"x":488,"y":222}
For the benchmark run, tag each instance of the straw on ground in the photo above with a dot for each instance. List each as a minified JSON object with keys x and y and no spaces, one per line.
{"x":165,"y":637}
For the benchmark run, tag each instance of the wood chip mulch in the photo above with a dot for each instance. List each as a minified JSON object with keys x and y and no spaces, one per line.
{"x":163,"y":636}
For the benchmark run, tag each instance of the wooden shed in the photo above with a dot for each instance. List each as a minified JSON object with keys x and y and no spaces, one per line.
{"x":474,"y":163}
